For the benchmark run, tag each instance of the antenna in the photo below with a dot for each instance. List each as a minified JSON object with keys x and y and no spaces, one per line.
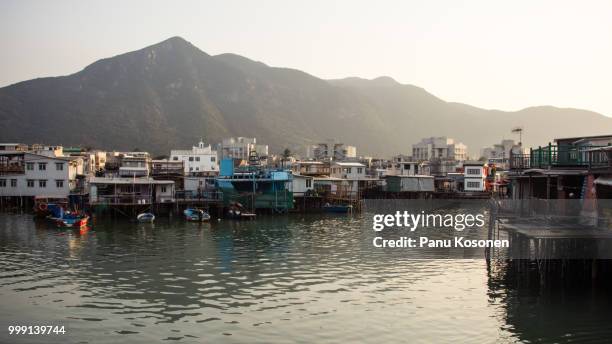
{"x":518,"y":130}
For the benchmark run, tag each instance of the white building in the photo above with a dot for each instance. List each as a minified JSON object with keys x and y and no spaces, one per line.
{"x":331,"y":150}
{"x":135,"y":164}
{"x":240,"y":148}
{"x":348,"y":170}
{"x":200,"y":160}
{"x":28,"y":174}
{"x":302,"y":184}
{"x":474,"y":176}
{"x":439,"y":148}
{"x":349,"y":178}
{"x":402,"y":165}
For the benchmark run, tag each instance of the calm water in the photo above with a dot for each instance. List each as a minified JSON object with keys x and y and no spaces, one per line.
{"x":276,"y":280}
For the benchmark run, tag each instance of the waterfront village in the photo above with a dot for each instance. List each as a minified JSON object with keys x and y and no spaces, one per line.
{"x":240,"y":177}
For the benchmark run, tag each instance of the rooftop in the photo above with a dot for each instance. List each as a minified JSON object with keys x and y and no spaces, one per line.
{"x":349,"y":164}
{"x":63,"y":158}
{"x":584,"y":138}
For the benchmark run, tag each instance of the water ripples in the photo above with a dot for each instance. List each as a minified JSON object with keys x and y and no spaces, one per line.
{"x":312,"y":279}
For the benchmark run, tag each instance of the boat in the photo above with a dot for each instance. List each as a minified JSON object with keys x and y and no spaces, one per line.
{"x":338,"y":208}
{"x":145,"y":217}
{"x":67,"y":219}
{"x":196,"y":215}
{"x":238,"y":212}
{"x":72,"y":220}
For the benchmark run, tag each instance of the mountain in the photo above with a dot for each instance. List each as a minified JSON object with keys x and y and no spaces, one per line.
{"x":171,"y":94}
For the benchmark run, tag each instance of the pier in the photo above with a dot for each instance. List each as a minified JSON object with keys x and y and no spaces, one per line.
{"x":553,"y":243}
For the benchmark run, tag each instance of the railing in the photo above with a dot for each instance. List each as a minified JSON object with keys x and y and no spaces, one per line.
{"x":199,"y":196}
{"x":564,"y":156}
{"x":122,"y":199}
{"x":11,"y":169}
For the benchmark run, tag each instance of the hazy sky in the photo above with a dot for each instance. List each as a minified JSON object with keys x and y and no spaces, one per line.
{"x":494,"y":54}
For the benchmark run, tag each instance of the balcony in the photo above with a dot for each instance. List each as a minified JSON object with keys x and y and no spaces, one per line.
{"x":553,"y":156}
{"x":11,"y":169}
{"x":122,"y":199}
{"x":133,"y":171}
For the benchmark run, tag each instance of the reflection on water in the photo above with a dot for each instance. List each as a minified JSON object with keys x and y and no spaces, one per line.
{"x":282,"y":279}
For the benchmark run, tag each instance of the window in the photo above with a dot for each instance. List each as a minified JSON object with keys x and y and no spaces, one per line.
{"x":42,"y":183}
{"x":163,"y":189}
{"x":197,"y":158}
{"x":42,"y":166}
{"x":175,"y":158}
{"x":2,"y":183}
{"x":308,"y":183}
{"x":30,"y":183}
{"x":190,"y":158}
{"x":473,"y":171}
{"x":473,"y":184}
{"x":59,"y":166}
{"x":13,"y":183}
{"x":30,"y":166}
{"x":359,"y":169}
{"x":59,"y":183}
{"x":213,"y":159}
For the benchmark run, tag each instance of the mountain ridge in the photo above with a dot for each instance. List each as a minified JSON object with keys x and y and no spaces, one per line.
{"x":170,"y":94}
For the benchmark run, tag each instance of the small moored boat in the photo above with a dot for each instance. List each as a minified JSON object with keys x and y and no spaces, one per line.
{"x":145,"y":217}
{"x":196,"y":215}
{"x":68,"y":219}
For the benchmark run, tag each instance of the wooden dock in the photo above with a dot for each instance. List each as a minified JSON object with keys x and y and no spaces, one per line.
{"x":552,"y":252}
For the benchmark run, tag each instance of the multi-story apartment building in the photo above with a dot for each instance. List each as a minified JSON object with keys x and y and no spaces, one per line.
{"x":444,"y":154}
{"x":474,"y":176}
{"x":25,"y":174}
{"x":331,"y":151}
{"x":439,"y":148}
{"x":199,"y":160}
{"x":241,"y":147}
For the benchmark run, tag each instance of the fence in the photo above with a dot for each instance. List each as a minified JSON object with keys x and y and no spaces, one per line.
{"x":562,"y":156}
